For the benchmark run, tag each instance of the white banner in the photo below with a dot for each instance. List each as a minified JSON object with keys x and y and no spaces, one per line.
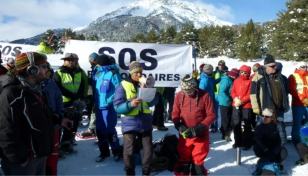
{"x":166,"y":63}
{"x":8,"y":50}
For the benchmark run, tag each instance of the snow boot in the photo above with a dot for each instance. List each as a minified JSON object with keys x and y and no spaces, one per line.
{"x":129,"y":171}
{"x":198,"y":170}
{"x":146,"y":171}
{"x":117,"y":154}
{"x":73,"y":140}
{"x":104,"y":149}
{"x":182,"y":169}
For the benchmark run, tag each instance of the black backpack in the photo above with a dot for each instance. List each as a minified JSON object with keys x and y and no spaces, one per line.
{"x":169,"y":150}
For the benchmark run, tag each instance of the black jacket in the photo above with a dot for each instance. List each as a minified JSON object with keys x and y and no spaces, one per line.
{"x":3,"y":70}
{"x":267,"y":136}
{"x":26,"y":123}
{"x":80,"y":93}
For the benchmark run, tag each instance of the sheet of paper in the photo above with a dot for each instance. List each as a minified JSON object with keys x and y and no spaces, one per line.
{"x":147,"y":94}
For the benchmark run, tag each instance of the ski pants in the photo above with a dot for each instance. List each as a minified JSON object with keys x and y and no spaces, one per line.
{"x":302,"y":150}
{"x":129,"y":139}
{"x":106,"y":121}
{"x":226,"y":116}
{"x":35,"y":166}
{"x":52,"y":159}
{"x":242,"y":138}
{"x":216,"y":106}
{"x":298,"y":114}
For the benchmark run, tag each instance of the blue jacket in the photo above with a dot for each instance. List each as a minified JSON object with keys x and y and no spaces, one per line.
{"x":225,"y":90}
{"x":107,"y":80}
{"x":93,"y":81}
{"x":141,"y":122}
{"x":207,"y":83}
{"x":53,"y":95}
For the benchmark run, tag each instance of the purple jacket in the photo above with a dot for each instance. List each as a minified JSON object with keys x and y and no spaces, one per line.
{"x":141,"y":122}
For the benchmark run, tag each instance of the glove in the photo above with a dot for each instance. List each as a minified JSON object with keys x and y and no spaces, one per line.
{"x":305,"y":101}
{"x":192,"y":132}
{"x":256,"y":111}
{"x":237,"y":102}
{"x":180,"y":127}
{"x":229,"y":103}
{"x":270,"y":156}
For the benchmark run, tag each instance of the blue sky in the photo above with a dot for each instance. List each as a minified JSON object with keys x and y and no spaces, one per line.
{"x":244,"y":10}
{"x":27,"y":18}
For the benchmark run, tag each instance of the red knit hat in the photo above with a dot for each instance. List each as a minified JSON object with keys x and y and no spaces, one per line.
{"x":234,"y":72}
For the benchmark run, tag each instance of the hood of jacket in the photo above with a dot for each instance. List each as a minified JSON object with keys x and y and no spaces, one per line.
{"x":247,"y":69}
{"x":7,"y":80}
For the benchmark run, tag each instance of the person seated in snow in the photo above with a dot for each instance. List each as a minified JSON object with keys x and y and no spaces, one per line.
{"x":136,"y":119}
{"x":225,"y":103}
{"x":193,"y":113}
{"x":107,"y":80}
{"x":10,"y":64}
{"x":302,"y":147}
{"x":240,"y":93}
{"x":268,"y":145}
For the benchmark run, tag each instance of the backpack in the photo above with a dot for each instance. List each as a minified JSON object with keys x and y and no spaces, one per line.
{"x":169,"y":150}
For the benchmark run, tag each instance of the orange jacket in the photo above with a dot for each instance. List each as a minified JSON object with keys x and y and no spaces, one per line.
{"x":297,"y":97}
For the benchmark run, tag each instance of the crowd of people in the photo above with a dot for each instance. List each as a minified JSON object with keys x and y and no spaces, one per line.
{"x":36,"y":130}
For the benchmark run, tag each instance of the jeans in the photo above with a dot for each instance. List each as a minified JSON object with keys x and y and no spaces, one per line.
{"x":298,"y":114}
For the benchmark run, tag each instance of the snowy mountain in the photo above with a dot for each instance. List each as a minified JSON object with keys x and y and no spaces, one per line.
{"x":36,"y":39}
{"x":141,"y":16}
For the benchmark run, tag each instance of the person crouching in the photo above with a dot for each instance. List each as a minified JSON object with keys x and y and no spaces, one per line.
{"x":193,"y":113}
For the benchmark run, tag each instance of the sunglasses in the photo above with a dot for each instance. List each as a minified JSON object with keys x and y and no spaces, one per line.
{"x":221,"y":64}
{"x":304,"y":66}
{"x":242,"y":72}
{"x":44,"y":66}
{"x":273,"y":66}
{"x":266,"y":116}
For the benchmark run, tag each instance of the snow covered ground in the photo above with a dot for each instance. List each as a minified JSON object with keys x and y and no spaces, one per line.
{"x":221,"y":159}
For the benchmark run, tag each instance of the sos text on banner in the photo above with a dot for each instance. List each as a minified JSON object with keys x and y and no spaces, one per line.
{"x":166,"y":63}
{"x":8,"y":50}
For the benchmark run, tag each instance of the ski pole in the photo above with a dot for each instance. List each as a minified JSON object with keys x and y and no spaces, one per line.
{"x":238,"y":155}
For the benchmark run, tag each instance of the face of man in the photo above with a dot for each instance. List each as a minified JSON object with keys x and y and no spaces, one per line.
{"x":303,"y":68}
{"x":271,"y":68}
{"x":42,"y":74}
{"x":135,"y":76}
{"x":92,"y":62}
{"x":221,"y":66}
{"x":11,"y":64}
{"x":70,"y":63}
{"x":189,"y":93}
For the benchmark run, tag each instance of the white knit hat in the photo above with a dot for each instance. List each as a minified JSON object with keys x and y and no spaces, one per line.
{"x":267,"y":112}
{"x":188,"y":83}
{"x":302,"y":63}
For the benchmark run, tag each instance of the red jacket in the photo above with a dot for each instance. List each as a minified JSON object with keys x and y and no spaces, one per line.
{"x":190,"y":115}
{"x":241,"y":88}
{"x":297,"y":97}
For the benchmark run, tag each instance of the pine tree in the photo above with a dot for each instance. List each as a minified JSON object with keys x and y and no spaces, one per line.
{"x":161,"y":37}
{"x":139,"y":39}
{"x":93,"y":37}
{"x":151,"y":37}
{"x":187,"y":34}
{"x":290,"y":40}
{"x":247,"y":45}
{"x":170,"y":35}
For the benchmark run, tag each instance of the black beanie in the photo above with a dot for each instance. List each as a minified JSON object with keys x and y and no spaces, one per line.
{"x":103,"y":60}
{"x":269,"y":59}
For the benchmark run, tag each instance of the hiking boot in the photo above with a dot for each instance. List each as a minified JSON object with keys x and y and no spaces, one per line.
{"x":300,"y":162}
{"x":100,"y":159}
{"x":88,"y":133}
{"x":182,"y":168}
{"x":129,"y":171}
{"x":281,"y":167}
{"x":146,"y":171}
{"x":214,"y":130}
{"x":236,"y":146}
{"x":246,"y":147}
{"x":228,"y":139}
{"x":73,"y":139}
{"x":67,"y":148}
{"x":162,"y":128}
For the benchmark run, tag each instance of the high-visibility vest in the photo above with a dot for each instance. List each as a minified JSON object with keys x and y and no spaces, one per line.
{"x":299,"y":83}
{"x":130,"y":94}
{"x":67,"y":83}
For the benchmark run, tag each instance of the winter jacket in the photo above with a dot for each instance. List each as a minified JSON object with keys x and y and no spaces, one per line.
{"x":93,"y":81}
{"x":53,"y":95}
{"x":302,"y":92}
{"x":207,"y":84}
{"x":267,"y":137}
{"x":304,"y":138}
{"x":241,"y":88}
{"x":81,"y":93}
{"x":26,"y":128}
{"x":217,"y":75}
{"x":3,"y":70}
{"x":225,"y":90}
{"x":140,"y":122}
{"x":190,"y":115}
{"x":261,"y":93}
{"x":107,"y":80}
{"x":43,"y":49}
